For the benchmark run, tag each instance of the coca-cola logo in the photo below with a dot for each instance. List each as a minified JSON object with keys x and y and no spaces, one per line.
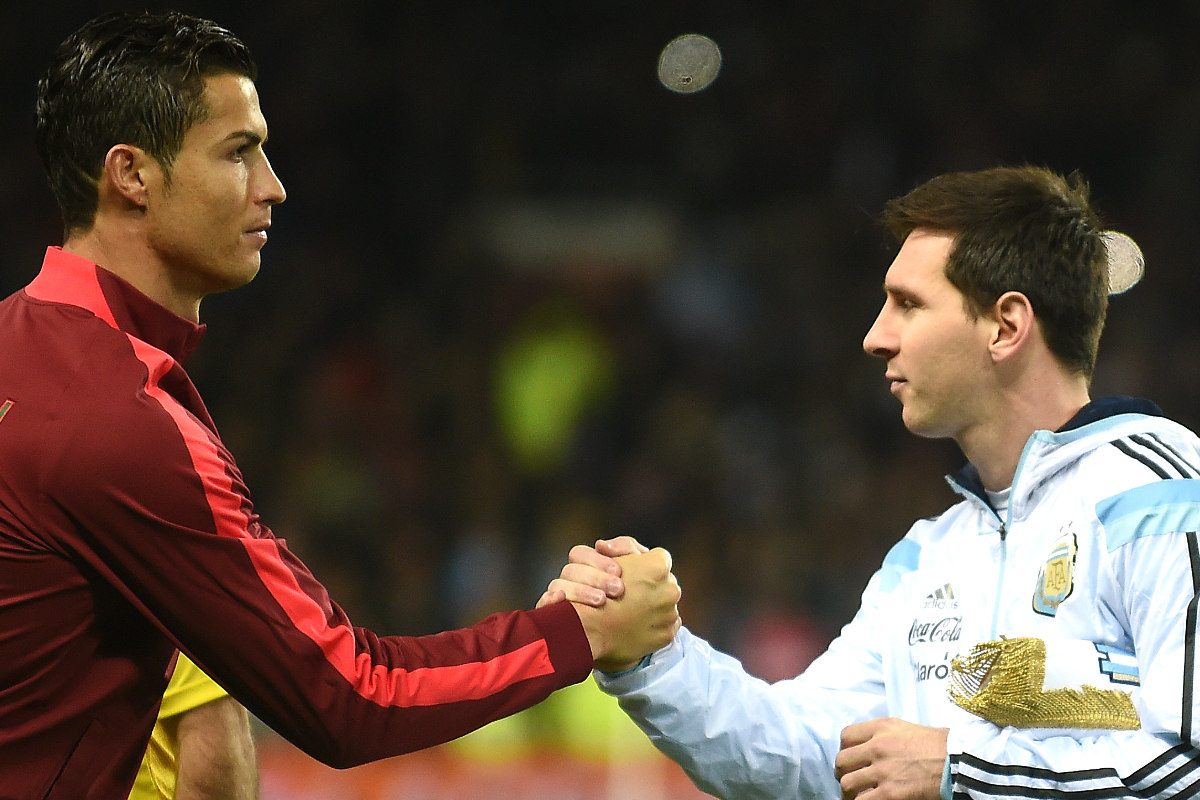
{"x":948,"y":629}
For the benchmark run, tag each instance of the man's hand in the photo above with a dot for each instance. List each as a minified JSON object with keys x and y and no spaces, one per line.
{"x":645,"y":618}
{"x":592,"y":574}
{"x":889,"y":759}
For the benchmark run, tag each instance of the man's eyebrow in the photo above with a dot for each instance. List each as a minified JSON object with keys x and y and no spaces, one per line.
{"x":248,"y":136}
{"x":899,"y":292}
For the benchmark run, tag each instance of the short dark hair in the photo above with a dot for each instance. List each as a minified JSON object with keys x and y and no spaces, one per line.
{"x":126,"y":78}
{"x":1025,"y":229}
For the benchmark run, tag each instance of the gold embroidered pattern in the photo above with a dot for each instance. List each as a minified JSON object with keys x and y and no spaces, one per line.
{"x":1002,"y":682}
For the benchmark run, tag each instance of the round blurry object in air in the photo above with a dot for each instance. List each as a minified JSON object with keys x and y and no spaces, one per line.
{"x":1126,"y":264}
{"x":689,"y":63}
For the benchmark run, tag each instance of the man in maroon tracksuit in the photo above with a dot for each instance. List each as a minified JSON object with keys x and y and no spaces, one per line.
{"x":126,"y":531}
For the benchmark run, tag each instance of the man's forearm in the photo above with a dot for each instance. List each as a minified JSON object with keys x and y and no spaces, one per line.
{"x":217,"y":759}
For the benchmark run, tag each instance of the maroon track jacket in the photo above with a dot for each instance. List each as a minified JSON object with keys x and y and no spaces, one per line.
{"x":126,"y":532}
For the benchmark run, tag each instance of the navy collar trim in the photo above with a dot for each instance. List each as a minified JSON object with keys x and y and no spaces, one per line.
{"x":1098,"y":409}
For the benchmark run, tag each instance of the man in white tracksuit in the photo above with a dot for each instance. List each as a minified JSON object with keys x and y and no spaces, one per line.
{"x":1076,"y":528}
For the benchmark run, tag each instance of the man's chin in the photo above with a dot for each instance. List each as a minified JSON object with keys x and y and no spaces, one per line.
{"x":235,"y":279}
{"x":923,"y":427}
{"x":911,"y":420}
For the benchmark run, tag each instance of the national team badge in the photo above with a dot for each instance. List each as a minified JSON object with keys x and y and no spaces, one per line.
{"x":1056,"y":580}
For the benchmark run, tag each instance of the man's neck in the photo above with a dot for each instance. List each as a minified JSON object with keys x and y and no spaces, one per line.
{"x":996,"y":449}
{"x":135,"y":264}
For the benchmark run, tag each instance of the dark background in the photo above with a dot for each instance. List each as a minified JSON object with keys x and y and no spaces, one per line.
{"x":522,"y":296}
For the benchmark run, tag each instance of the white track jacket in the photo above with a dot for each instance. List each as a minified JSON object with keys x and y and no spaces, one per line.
{"x":1099,"y":543}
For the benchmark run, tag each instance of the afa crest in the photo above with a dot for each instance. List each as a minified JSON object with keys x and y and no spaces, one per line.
{"x":1056,"y":579}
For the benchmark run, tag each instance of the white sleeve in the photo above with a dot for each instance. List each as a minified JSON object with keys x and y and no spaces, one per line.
{"x":737,"y":736}
{"x":1154,"y":566}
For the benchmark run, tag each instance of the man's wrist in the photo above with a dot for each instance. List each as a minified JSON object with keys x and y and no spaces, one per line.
{"x":616,"y":671}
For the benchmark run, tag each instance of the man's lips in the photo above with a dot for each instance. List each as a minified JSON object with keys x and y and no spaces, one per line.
{"x":259,"y":231}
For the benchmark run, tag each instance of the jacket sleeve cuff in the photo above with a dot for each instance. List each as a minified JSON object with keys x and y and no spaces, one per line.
{"x":650,"y":668}
{"x":645,"y":662}
{"x":569,"y":650}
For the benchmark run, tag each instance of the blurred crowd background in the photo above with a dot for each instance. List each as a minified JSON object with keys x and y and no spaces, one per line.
{"x":521,"y":296}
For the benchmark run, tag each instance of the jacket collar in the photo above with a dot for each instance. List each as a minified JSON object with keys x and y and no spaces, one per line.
{"x":967,"y":478}
{"x":70,"y":279}
{"x":1104,"y":407}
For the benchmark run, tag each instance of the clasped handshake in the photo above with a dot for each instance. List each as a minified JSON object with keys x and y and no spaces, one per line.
{"x":626,"y":596}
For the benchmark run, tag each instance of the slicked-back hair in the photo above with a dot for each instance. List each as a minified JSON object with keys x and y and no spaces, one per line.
{"x":126,"y":78}
{"x":1024,"y":229}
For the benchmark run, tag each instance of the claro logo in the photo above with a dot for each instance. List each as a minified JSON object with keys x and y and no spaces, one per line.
{"x":948,"y":629}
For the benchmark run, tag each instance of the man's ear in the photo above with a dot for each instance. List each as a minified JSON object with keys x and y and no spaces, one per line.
{"x":128,"y":174}
{"x":1015,"y":325}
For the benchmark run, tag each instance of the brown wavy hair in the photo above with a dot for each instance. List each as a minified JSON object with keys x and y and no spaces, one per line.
{"x":1024,"y":229}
